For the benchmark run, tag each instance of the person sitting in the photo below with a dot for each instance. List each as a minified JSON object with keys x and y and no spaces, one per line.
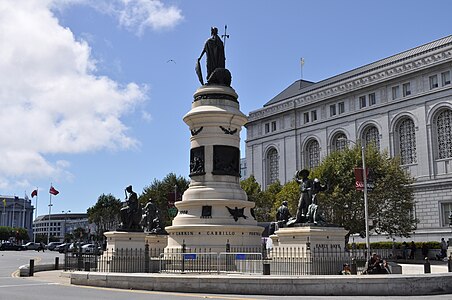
{"x":345,"y":270}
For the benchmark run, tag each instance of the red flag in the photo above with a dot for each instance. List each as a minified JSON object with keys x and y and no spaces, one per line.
{"x":34,"y":193}
{"x":53,"y":191}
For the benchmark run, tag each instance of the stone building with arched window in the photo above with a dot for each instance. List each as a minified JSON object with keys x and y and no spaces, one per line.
{"x":402,"y":104}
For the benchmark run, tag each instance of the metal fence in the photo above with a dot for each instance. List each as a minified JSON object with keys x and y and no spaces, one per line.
{"x":306,"y":261}
{"x":276,"y":261}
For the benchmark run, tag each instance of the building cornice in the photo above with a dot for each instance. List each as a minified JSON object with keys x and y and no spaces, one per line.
{"x":365,"y":79}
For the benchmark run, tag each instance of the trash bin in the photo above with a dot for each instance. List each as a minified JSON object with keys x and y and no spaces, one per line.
{"x":266,"y":269}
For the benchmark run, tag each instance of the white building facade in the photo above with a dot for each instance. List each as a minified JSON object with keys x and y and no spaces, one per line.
{"x":403,"y":103}
{"x":16,"y":212}
{"x":58,"y":225}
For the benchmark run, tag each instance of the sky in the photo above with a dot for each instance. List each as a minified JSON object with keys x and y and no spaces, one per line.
{"x":92,"y":93}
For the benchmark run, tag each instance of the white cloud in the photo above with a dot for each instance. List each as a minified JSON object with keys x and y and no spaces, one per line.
{"x":134,"y":15}
{"x":137,"y":15}
{"x":51,"y":100}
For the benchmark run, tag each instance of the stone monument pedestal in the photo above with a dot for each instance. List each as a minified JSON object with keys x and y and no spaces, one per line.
{"x":214,"y":212}
{"x":317,"y":249}
{"x":125,"y":240}
{"x":157,"y":243}
{"x":123,"y":248}
{"x":318,"y":239}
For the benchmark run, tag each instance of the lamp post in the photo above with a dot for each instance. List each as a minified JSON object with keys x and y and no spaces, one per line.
{"x":366,"y":210}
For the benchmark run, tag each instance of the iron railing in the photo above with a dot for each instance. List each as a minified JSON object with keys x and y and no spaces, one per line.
{"x":277,"y":261}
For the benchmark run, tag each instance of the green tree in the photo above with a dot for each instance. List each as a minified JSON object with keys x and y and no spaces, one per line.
{"x":42,"y":238}
{"x":160,"y":191}
{"x":22,"y":234}
{"x":105,"y":213}
{"x":5,"y":233}
{"x":390,"y":203}
{"x":263,"y":200}
{"x":80,"y":234}
{"x":18,"y":233}
{"x":290,"y":193}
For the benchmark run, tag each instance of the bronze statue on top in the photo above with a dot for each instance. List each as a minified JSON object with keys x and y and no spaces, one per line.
{"x":283,"y":214}
{"x":130,"y":212}
{"x":305,"y":194}
{"x":215,"y":61}
{"x":313,"y":214}
{"x":150,"y":219}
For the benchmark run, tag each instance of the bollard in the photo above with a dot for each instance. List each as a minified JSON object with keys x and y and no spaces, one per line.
{"x":449,"y":264}
{"x":184,"y":248}
{"x":266,"y":269}
{"x":57,"y":263}
{"x":427,"y":268}
{"x":146,"y":258}
{"x":31,"y":270}
{"x":353,"y":267}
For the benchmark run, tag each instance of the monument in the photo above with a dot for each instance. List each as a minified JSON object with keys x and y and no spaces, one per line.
{"x":130,"y":234}
{"x":214,"y":212}
{"x":308,"y":229}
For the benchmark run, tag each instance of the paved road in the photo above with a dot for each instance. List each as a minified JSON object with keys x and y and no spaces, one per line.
{"x":50,"y":286}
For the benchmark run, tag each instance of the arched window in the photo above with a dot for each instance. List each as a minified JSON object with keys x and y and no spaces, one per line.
{"x":272,"y":166}
{"x":339,"y":141}
{"x":407,"y":141}
{"x":371,"y":136}
{"x":444,"y":133}
{"x":313,"y":154}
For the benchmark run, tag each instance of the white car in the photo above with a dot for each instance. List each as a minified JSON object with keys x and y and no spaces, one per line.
{"x":90,"y":248}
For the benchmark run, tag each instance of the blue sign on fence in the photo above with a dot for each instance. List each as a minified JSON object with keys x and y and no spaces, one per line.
{"x":190,"y":256}
{"x":240,"y":256}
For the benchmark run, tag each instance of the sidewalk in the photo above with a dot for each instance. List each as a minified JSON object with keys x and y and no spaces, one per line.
{"x":419,"y":268}
{"x":61,"y":277}
{"x":56,"y":276}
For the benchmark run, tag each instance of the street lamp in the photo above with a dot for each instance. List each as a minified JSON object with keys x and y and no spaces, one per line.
{"x":366,"y":213}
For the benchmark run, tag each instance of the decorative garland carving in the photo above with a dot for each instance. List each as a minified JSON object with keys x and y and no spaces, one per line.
{"x":228,"y":130}
{"x":196,"y":131}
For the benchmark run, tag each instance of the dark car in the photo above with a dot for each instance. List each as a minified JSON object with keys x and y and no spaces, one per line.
{"x":62,"y":248}
{"x":10,"y":246}
{"x":52,"y":246}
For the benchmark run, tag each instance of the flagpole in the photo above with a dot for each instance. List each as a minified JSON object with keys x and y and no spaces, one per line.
{"x":50,"y":210}
{"x":301,"y":71}
{"x":23,"y":211}
{"x":4,"y":223}
{"x":36,"y":214}
{"x":14,"y":208}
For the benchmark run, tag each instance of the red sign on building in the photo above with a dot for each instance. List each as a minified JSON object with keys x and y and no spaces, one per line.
{"x":360,"y":180}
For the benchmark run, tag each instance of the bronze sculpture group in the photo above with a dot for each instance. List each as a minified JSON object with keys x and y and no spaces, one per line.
{"x":134,"y":218}
{"x":308,"y":209}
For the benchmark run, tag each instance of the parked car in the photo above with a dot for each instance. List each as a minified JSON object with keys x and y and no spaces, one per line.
{"x":91,"y":248}
{"x":52,"y":246}
{"x":62,"y":248}
{"x":32,"y":246}
{"x":74,"y":247}
{"x":10,"y":246}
